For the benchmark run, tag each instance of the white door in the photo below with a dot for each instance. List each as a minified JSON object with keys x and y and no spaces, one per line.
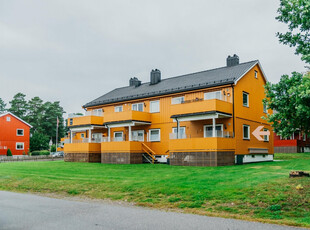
{"x":137,"y":135}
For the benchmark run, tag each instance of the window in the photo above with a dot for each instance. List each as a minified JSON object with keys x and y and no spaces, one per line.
{"x":208,"y":130}
{"x":305,"y":137}
{"x":8,"y":118}
{"x":255,"y":74}
{"x":182,"y":134}
{"x":118,"y":136}
{"x":177,"y":100}
{"x":154,"y":106}
{"x":82,"y":135}
{"x":245,"y":98}
{"x":97,"y":112}
{"x":118,"y":108}
{"x":137,"y":135}
{"x":265,"y":108}
{"x":213,"y":95}
{"x":266,"y":137}
{"x":138,"y":107}
{"x":71,"y":121}
{"x":20,"y":132}
{"x":19,"y":146}
{"x":246,"y":132}
{"x":154,"y":134}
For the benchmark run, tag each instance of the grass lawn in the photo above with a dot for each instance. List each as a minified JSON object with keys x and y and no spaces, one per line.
{"x":260,"y":191}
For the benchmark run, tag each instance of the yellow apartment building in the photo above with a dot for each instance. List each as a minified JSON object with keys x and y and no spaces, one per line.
{"x":205,"y":118}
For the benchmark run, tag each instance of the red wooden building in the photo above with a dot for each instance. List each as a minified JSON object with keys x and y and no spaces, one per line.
{"x":297,"y":143}
{"x":14,"y":134}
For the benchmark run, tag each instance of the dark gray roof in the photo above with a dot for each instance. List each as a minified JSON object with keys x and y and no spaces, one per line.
{"x":204,"y":79}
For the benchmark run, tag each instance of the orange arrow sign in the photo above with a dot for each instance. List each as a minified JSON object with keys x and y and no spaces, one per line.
{"x":258,"y":133}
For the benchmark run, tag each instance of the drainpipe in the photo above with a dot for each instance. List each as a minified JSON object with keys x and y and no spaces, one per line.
{"x":178,"y":128}
{"x":233,"y":101}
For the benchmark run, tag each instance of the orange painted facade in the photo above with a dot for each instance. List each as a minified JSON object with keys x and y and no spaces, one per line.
{"x":228,"y":111}
{"x":14,"y":135}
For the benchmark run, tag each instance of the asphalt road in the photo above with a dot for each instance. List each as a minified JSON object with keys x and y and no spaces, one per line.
{"x":24,"y":211}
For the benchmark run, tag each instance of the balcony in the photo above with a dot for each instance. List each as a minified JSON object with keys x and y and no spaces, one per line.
{"x":90,"y":118}
{"x":121,"y":147}
{"x":127,"y":116}
{"x":80,"y":147}
{"x":202,"y":144}
{"x":200,"y":105}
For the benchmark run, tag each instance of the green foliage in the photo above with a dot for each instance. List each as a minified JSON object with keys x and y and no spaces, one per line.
{"x":19,"y":106}
{"x":38,"y":141}
{"x":290,"y":99}
{"x":9,"y":153}
{"x":2,"y":106}
{"x":53,"y":148}
{"x":296,"y":13}
{"x":35,"y":153}
{"x":44,"y":152}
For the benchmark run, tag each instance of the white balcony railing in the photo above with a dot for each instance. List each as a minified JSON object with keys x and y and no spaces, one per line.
{"x":218,"y":133}
{"x":94,"y":113}
{"x":86,"y":140}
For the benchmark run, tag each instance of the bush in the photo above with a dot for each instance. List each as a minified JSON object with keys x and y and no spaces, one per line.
{"x":53,"y":148}
{"x":35,"y":153}
{"x":9,"y":153}
{"x":40,"y":153}
{"x":44,"y":152}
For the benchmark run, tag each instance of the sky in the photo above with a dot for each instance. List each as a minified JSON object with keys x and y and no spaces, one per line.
{"x":74,"y":51}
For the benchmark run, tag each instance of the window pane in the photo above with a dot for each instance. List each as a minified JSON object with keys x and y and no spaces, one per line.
{"x":154,"y":135}
{"x":246,"y":132}
{"x":140,"y":107}
{"x":245,"y":99}
{"x":154,"y":106}
{"x":177,"y":100}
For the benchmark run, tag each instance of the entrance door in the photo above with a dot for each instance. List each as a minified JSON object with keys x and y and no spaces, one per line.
{"x":137,"y":135}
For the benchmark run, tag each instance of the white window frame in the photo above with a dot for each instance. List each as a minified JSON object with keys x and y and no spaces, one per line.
{"x":248,"y":99}
{"x":118,"y":108}
{"x":157,"y":140}
{"x":20,"y":143}
{"x":137,"y":104}
{"x":8,"y":118}
{"x":213,"y":95}
{"x":137,"y":131}
{"x":266,"y":137}
{"x":71,"y":121}
{"x":249,"y":132}
{"x":154,"y":110}
{"x":21,"y":135}
{"x":177,"y":100}
{"x":256,"y":74}
{"x":205,"y":126}
{"x":118,"y":132}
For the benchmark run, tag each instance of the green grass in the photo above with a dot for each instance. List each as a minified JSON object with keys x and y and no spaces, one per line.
{"x":261,"y":191}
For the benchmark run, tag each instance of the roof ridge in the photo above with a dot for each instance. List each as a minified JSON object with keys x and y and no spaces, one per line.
{"x":208,"y":70}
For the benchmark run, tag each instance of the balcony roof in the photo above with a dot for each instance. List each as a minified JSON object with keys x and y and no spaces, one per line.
{"x":199,"y":80}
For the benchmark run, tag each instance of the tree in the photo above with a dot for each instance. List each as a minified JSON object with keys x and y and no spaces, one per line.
{"x":34,"y":116}
{"x":296,"y":13}
{"x":290,"y":100}
{"x":9,"y":153}
{"x":19,"y":106}
{"x":2,"y":106}
{"x":39,"y":141}
{"x":49,"y":120}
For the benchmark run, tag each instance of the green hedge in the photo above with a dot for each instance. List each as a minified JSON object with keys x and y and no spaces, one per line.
{"x":42,"y":152}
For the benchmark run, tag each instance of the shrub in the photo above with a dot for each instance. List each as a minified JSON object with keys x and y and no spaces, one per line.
{"x":24,"y":153}
{"x":9,"y":153}
{"x":35,"y":153}
{"x":44,"y":152}
{"x":53,"y":148}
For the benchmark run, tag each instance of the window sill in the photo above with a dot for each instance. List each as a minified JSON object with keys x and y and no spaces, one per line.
{"x":246,"y":139}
